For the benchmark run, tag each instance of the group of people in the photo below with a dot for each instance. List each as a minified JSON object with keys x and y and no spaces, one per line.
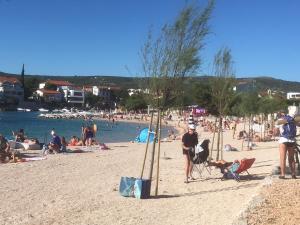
{"x":58,"y":144}
{"x":287,"y":145}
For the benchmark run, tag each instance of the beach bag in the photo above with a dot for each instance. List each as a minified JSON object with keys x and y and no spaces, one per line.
{"x":126,"y":187}
{"x":231,"y":174}
{"x":289,"y":129}
{"x":227,"y":148}
{"x":142,"y":188}
{"x":199,"y":148}
{"x":191,"y":153}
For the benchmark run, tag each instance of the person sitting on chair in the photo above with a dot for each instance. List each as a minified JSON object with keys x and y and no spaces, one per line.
{"x":189,"y":141}
{"x":221,"y":164}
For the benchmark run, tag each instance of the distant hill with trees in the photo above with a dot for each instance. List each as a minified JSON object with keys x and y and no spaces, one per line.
{"x":257,"y":83}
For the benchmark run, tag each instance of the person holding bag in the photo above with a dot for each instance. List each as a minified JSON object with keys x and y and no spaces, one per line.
{"x":287,"y":141}
{"x":189,"y":141}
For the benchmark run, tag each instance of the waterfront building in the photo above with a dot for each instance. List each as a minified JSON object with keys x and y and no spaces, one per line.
{"x":293,"y":95}
{"x":11,"y":90}
{"x":74,"y":95}
{"x":71,"y":93}
{"x":49,"y":95}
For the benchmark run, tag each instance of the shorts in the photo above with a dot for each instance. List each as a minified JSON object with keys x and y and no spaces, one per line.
{"x":289,"y":144}
{"x":185,"y":152}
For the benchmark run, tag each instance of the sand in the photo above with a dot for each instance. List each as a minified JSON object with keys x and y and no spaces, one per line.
{"x":83,"y":188}
{"x":280,"y":204}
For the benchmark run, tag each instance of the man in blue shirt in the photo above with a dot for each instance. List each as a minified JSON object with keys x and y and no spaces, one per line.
{"x":55,"y":143}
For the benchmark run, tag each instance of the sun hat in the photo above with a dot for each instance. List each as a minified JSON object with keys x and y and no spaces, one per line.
{"x":192,"y":126}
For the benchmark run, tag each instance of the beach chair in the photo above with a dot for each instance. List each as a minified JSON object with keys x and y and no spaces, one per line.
{"x":238,"y":168}
{"x":200,"y":158}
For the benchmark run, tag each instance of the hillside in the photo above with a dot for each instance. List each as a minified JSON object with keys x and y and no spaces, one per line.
{"x":259,"y":83}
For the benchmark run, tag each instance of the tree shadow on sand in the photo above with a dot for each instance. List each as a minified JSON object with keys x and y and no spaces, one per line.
{"x":233,"y":188}
{"x":243,"y":179}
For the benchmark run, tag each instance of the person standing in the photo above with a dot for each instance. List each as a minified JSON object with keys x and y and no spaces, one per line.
{"x":287,"y":143}
{"x":189,"y":141}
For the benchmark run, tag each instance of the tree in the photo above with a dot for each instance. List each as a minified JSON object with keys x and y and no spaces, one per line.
{"x":93,"y":100}
{"x":31,"y":85}
{"x":175,"y":53}
{"x":120,"y":97}
{"x":136,"y":102}
{"x":50,"y":87}
{"x":222,"y":89}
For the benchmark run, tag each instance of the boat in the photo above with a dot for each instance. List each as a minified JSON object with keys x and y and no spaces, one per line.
{"x":43,"y":110}
{"x":21,"y":109}
{"x":27,"y":110}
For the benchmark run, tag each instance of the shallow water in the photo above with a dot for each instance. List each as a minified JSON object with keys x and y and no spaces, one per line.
{"x":40,"y":128}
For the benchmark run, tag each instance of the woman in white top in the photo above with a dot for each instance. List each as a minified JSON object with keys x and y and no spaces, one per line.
{"x":286,"y":145}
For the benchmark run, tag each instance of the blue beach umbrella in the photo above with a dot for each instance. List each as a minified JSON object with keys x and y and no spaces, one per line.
{"x":142,"y":137}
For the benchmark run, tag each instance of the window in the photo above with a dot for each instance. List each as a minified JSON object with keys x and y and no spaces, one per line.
{"x":76,"y":93}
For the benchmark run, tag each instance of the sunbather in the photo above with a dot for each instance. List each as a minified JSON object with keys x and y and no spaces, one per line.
{"x":75,"y":141}
{"x":19,"y":136}
{"x":221,"y":164}
{"x":5,"y":153}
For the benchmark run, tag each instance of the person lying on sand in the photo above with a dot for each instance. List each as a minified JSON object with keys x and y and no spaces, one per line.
{"x":75,"y":141}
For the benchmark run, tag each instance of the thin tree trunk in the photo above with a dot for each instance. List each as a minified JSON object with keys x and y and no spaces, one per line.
{"x":261,"y":126}
{"x":213,"y":140}
{"x":249,"y":135}
{"x":153,"y":150}
{"x":222,"y":133}
{"x":147,"y":144}
{"x":244,"y":129}
{"x":218,"y":140}
{"x":158,"y":153}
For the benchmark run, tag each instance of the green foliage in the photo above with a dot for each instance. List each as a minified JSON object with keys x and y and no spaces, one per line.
{"x":31,"y":85}
{"x":136,"y":102}
{"x":249,"y":104}
{"x":270,"y":105}
{"x":223,"y":82}
{"x":175,"y":53}
{"x":93,"y":100}
{"x":120,"y":97}
{"x":50,"y":87}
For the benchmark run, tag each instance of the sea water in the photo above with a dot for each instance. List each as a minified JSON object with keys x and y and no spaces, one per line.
{"x":36,"y":127}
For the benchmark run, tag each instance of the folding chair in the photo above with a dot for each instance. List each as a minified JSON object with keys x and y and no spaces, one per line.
{"x":235,"y":170}
{"x":199,"y":158}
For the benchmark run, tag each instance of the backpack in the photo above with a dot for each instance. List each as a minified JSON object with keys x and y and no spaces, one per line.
{"x":289,"y":129}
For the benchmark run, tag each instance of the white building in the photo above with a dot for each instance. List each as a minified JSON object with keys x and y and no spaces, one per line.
{"x":11,"y":90}
{"x":71,"y":93}
{"x":293,"y":95}
{"x":137,"y":91}
{"x":50,"y":95}
{"x":102,"y":91}
{"x":74,"y":95}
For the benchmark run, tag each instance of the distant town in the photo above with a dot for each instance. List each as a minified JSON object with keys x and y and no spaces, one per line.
{"x":57,"y":93}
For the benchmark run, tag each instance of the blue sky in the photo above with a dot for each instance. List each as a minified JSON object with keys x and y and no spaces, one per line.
{"x":103,"y":37}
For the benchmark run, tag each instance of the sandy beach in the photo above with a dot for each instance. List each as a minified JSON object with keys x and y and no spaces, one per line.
{"x":83,"y":188}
